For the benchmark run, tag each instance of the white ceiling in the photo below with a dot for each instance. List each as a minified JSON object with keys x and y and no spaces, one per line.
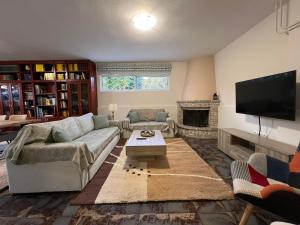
{"x":101,"y":30}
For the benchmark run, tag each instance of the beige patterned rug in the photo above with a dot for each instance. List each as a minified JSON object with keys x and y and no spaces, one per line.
{"x":181,"y":175}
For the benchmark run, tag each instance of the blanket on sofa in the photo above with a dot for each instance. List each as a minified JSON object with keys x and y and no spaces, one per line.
{"x":33,"y":139}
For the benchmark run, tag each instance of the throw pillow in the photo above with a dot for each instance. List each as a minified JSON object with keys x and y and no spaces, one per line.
{"x":257,"y":178}
{"x":60,"y":135}
{"x":100,"y":122}
{"x":161,"y":116}
{"x":134,"y":117}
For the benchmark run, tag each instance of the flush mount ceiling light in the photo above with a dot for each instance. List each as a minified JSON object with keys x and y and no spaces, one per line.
{"x":144,"y":22}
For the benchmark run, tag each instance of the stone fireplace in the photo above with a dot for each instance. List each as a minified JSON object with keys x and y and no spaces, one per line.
{"x":198,"y":118}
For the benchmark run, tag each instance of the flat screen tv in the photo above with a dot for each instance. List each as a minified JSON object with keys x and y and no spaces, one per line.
{"x":271,"y":96}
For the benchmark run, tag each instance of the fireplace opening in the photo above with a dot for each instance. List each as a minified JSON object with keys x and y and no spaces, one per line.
{"x":195,"y":117}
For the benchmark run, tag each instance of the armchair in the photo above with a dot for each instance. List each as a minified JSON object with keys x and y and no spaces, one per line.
{"x":147,"y":120}
{"x":269,"y":184}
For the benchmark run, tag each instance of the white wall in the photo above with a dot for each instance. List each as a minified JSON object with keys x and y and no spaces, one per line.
{"x":146,"y":99}
{"x":257,"y":53}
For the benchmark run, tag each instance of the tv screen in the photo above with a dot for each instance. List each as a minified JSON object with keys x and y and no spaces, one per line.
{"x":271,"y":96}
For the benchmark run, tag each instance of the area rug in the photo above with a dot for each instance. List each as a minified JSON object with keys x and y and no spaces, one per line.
{"x":181,"y":175}
{"x":3,"y":175}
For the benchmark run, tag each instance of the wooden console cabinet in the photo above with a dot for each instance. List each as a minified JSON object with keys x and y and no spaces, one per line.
{"x":240,"y":145}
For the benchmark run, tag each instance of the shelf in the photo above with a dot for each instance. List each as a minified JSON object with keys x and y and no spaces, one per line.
{"x":7,"y":72}
{"x":79,"y":71}
{"x":46,"y":105}
{"x":44,"y":81}
{"x":72,"y":80}
{"x":43,"y":72}
{"x":42,"y":94}
{"x":62,"y":90}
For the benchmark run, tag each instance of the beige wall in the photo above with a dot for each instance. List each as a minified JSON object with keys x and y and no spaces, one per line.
{"x":147,"y":99}
{"x":200,"y":81}
{"x":257,"y":53}
{"x":192,"y":80}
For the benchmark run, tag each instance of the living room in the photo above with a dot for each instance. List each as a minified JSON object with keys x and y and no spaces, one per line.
{"x":149,"y":112}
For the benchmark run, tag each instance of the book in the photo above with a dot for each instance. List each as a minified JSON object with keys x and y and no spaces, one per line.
{"x":39,"y":67}
{"x":75,"y":67}
{"x":27,"y":76}
{"x":60,"y":76}
{"x":60,"y":67}
{"x":49,"y":76}
{"x":70,"y":67}
{"x":71,"y":76}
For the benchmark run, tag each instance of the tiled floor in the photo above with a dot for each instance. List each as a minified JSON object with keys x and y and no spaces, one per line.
{"x":54,"y":208}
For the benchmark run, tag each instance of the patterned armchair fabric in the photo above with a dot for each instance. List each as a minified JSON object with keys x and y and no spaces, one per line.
{"x":147,"y":121}
{"x":269,"y":183}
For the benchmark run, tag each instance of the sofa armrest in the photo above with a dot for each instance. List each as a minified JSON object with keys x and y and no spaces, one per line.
{"x":125,"y":123}
{"x":77,"y":152}
{"x":171,"y":123}
{"x":115,"y":123}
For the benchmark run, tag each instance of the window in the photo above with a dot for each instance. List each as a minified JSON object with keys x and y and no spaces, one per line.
{"x":134,"y":76}
{"x":130,"y":83}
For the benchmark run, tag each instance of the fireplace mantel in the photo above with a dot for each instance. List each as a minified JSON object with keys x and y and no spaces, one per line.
{"x":204,"y":132}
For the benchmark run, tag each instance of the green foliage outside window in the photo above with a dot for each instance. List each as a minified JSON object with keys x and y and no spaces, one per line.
{"x":120,"y":83}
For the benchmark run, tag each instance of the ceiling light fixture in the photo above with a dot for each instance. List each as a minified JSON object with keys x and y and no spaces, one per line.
{"x":144,"y":22}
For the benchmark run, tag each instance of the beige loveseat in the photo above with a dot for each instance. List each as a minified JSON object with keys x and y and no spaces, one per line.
{"x":36,"y":164}
{"x":147,"y":120}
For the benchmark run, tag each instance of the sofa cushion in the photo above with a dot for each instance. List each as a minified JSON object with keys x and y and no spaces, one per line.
{"x":100,"y":122}
{"x":85,"y":122}
{"x":134,"y":117}
{"x":71,"y":126}
{"x":152,"y":125}
{"x":147,"y":114}
{"x":97,"y":140}
{"x":161,"y":116}
{"x":60,"y":135}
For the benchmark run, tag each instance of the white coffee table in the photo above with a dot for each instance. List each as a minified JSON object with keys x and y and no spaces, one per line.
{"x":151,"y":146}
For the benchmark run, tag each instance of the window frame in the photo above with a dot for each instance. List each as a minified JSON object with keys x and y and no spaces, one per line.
{"x":135,"y":89}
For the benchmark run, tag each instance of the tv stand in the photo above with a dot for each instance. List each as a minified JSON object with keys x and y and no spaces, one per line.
{"x":239,"y":145}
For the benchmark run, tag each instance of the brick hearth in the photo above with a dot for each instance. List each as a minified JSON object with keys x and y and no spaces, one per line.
{"x":211,"y":131}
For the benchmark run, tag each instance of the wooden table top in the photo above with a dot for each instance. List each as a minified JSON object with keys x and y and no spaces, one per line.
{"x":11,"y":123}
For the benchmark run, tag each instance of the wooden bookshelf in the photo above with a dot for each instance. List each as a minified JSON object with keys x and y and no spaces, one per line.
{"x":50,"y":90}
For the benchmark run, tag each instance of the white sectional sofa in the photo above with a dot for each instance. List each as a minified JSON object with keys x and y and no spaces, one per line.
{"x":36,"y":164}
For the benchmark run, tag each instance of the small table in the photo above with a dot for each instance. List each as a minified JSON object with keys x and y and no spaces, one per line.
{"x":151,"y":146}
{"x":11,"y":134}
{"x":12,"y":123}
